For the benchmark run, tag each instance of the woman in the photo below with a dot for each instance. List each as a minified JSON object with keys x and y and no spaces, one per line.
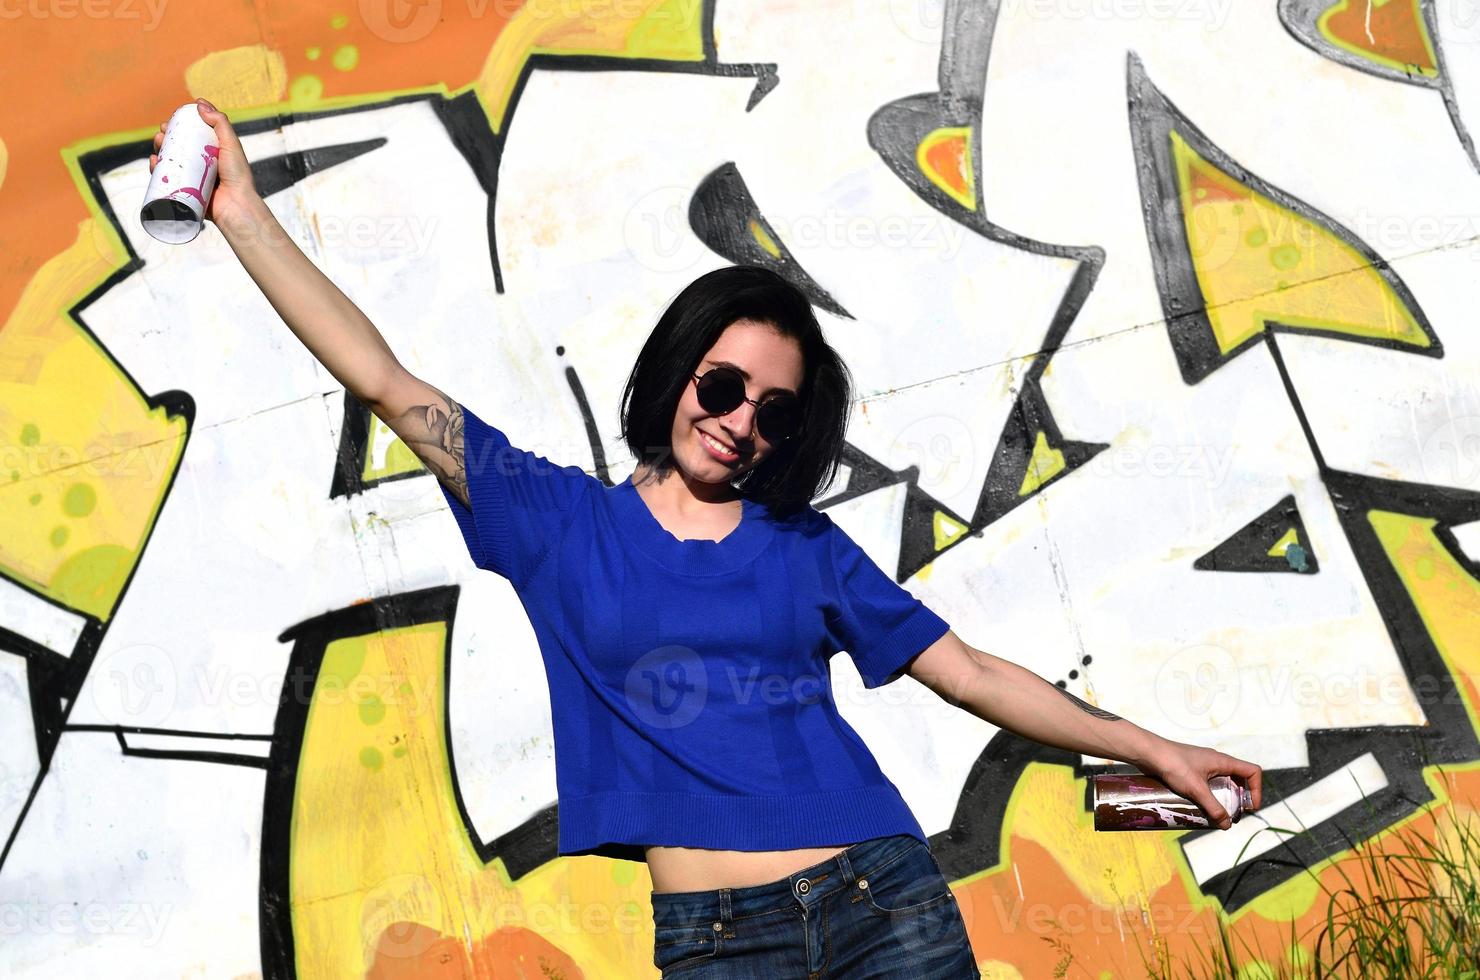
{"x":686,"y":617}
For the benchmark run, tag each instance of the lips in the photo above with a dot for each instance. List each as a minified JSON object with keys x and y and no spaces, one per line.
{"x":706,"y":437}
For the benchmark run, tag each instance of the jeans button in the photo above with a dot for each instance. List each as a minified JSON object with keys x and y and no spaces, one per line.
{"x":803,"y":886}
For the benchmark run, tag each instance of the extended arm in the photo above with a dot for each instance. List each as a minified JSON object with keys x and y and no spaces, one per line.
{"x":332,"y":328}
{"x":328,"y":323}
{"x":1014,"y":698}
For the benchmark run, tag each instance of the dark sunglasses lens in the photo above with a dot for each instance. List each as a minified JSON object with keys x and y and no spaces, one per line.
{"x":721,"y":390}
{"x":778,"y":418}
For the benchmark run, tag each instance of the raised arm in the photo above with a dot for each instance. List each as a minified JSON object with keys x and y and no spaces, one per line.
{"x":514,"y":503}
{"x":333,"y":329}
{"x":1013,"y":697}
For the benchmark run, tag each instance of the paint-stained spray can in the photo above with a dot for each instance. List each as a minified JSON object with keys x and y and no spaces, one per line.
{"x":1138,"y":802}
{"x":184,"y":177}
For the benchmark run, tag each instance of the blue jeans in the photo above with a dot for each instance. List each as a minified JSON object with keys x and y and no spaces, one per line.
{"x":879,"y":909}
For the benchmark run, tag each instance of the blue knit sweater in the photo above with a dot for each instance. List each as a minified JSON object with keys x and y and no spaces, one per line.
{"x":689,"y":680}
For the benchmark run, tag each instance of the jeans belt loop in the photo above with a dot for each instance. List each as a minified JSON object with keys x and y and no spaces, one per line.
{"x":846,"y":866}
{"x":725,"y":916}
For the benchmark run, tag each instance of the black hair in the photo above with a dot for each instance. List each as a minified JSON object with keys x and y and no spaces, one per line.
{"x":798,"y":469}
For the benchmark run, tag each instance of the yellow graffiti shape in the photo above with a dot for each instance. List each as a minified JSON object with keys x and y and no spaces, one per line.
{"x":1290,"y":537}
{"x":238,"y":77}
{"x":1045,"y":464}
{"x":86,"y":460}
{"x":1258,"y":262}
{"x":384,"y":881}
{"x":1048,"y":808}
{"x":1446,"y":595}
{"x":664,"y":30}
{"x":385,"y":455}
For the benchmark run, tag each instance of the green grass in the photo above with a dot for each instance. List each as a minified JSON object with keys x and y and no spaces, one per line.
{"x":1410,"y":910}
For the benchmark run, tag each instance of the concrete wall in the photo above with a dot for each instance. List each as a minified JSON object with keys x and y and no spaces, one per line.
{"x":1163,"y":319}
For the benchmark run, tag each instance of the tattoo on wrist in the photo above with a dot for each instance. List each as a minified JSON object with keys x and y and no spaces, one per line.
{"x":1088,"y":708}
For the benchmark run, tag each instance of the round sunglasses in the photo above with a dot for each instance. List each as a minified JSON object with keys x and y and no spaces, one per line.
{"x":721,"y":390}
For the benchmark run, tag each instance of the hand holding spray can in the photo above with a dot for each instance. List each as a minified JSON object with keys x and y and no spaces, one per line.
{"x":180,"y":186}
{"x":1139,"y":802}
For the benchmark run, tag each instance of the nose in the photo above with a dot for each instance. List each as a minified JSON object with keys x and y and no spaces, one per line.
{"x":739,"y":422}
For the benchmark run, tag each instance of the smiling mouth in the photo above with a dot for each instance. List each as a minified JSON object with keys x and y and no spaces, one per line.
{"x":718,"y":446}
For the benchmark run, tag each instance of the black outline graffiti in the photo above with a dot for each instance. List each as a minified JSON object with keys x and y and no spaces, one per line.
{"x":1299,"y":19}
{"x":1247,"y":549}
{"x":894,"y":131}
{"x":1153,"y":117}
{"x":720,"y":213}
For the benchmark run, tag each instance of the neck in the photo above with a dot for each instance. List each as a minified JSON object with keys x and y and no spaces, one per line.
{"x":680,"y":492}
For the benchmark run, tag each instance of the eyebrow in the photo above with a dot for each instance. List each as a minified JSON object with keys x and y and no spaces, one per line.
{"x":746,"y":375}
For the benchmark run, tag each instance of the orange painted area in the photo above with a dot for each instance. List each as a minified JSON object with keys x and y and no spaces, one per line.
{"x":1206,"y":184}
{"x":89,"y":76}
{"x":1064,"y":901}
{"x":944,"y":157}
{"x":408,"y":951}
{"x":1392,"y":33}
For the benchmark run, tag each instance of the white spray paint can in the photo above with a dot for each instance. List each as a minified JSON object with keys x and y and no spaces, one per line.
{"x":184,"y":177}
{"x":1135,"y":801}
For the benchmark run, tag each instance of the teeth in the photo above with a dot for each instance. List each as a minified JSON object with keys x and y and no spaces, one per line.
{"x":705,"y":435}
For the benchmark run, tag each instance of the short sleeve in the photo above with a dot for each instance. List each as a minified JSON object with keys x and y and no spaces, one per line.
{"x":880,"y":623}
{"x":521,"y":501}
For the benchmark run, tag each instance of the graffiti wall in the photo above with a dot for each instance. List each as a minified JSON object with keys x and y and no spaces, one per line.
{"x":1162,"y":317}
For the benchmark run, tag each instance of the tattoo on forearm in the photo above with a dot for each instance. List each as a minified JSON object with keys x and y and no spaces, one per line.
{"x":1087,"y":707}
{"x":435,"y":433}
